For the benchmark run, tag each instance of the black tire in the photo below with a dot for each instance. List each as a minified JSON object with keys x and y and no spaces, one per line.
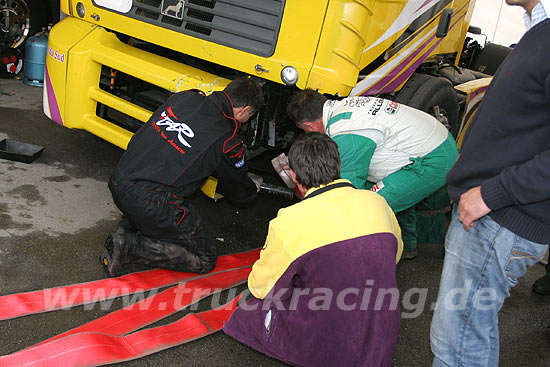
{"x":18,"y":16}
{"x":411,"y":86}
{"x":426,"y":92}
{"x":490,"y":57}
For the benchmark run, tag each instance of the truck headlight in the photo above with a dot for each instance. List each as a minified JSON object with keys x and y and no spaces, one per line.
{"x":80,"y":10}
{"x":289,"y":76}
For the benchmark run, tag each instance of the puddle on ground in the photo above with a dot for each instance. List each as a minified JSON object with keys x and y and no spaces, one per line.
{"x":44,"y":197}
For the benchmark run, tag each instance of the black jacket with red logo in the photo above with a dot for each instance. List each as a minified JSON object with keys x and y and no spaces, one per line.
{"x":188,"y":138}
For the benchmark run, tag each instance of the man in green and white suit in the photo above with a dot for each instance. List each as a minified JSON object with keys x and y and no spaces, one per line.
{"x":395,"y":150}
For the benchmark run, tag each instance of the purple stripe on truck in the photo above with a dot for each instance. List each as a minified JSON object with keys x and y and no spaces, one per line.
{"x":52,"y":101}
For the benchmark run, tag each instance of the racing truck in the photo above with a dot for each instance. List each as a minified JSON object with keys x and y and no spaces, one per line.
{"x":111,"y":63}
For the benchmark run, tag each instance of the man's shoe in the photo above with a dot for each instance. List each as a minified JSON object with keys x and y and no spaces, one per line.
{"x":542,"y":285}
{"x":114,"y":257}
{"x":409,"y":254}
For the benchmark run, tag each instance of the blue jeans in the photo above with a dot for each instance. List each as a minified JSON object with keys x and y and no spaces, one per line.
{"x":481,"y":266}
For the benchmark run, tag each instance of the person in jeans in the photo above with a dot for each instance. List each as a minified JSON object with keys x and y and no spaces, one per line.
{"x":399,"y":152}
{"x":324,"y":289}
{"x":500,"y":184}
{"x":188,"y":138}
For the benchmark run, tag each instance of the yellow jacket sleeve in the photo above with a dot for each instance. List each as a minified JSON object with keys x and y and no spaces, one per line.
{"x":273,"y":261}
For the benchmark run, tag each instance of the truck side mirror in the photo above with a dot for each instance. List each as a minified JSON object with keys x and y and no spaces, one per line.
{"x":444,"y":23}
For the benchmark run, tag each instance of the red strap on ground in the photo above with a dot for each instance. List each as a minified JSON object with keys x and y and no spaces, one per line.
{"x":21,"y":304}
{"x":161,"y":305}
{"x":95,"y":349}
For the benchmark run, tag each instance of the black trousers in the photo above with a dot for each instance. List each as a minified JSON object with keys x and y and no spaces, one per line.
{"x":168,"y":232}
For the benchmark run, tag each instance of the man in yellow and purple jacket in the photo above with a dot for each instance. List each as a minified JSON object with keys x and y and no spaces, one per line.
{"x":325,"y":291}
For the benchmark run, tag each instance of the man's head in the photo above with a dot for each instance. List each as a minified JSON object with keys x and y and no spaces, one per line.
{"x":314,"y":160}
{"x":305,"y":108}
{"x":247,"y":97}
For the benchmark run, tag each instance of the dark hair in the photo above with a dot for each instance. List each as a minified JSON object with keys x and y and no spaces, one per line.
{"x":245,"y":91}
{"x":315,"y":159}
{"x":305,"y":105}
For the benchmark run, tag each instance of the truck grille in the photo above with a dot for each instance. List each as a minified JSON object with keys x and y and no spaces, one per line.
{"x":247,"y":25}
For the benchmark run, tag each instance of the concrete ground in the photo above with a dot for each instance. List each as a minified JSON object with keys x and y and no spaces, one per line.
{"x":56,"y":212}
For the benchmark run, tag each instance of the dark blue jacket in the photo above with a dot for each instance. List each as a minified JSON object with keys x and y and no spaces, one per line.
{"x":507,"y":147}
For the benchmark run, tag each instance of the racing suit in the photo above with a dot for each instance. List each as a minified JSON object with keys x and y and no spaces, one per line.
{"x":188,"y":138}
{"x":397,"y":151}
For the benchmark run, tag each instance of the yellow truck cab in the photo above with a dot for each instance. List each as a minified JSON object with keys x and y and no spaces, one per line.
{"x":110,"y":63}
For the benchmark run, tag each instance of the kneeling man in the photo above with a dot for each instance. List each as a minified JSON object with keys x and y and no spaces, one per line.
{"x":325,"y":291}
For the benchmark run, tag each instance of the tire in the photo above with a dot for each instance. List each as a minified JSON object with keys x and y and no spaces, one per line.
{"x":21,"y":19}
{"x":490,"y":58}
{"x":428,"y":93}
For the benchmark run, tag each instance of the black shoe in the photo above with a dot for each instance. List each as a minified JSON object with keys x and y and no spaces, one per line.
{"x":542,"y":285}
{"x":114,"y":258}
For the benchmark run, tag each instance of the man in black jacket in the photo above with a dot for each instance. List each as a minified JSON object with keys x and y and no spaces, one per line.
{"x":188,"y":138}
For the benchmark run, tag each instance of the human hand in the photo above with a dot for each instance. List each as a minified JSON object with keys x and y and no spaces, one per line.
{"x":258,"y":180}
{"x":471,"y":207}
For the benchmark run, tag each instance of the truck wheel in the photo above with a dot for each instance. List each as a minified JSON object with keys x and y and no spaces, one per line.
{"x":490,"y":57}
{"x":434,"y":95}
{"x":20,"y":19}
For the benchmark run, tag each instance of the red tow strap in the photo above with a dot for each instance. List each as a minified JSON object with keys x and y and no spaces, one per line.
{"x":161,"y":305}
{"x":100,"y":341}
{"x":21,"y":304}
{"x":96,"y":349}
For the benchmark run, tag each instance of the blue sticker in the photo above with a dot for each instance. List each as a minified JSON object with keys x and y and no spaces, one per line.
{"x":240,"y":163}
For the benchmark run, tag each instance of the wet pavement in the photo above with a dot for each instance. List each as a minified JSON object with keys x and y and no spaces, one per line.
{"x":56,"y":212}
